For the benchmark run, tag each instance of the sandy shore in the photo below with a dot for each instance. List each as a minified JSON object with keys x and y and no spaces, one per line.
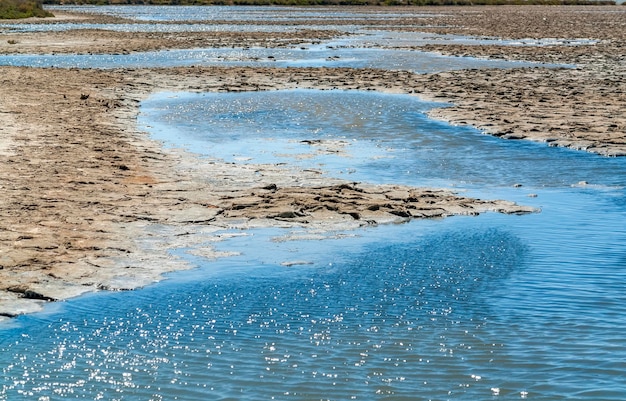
{"x":90,"y":202}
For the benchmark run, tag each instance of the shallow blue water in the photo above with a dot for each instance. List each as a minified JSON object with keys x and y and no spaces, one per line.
{"x":339,"y":53}
{"x":386,"y":138}
{"x":488,"y":307}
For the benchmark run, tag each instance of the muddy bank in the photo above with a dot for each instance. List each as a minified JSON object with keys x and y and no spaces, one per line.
{"x":579,"y":109}
{"x":581,"y":106}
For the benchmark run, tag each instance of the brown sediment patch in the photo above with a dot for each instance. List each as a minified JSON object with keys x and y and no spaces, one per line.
{"x":353,"y":201}
{"x":89,"y":203}
{"x":515,"y":22}
{"x":111,"y":42}
{"x":580,"y":106}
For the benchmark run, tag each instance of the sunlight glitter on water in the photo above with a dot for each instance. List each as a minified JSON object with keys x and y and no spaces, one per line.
{"x":319,"y":56}
{"x":310,"y":328}
{"x":514,"y":307}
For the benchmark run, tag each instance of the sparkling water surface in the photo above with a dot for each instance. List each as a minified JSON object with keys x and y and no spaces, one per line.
{"x":372,"y":49}
{"x":492,"y":307}
{"x":310,"y":56}
{"x":509,"y":307}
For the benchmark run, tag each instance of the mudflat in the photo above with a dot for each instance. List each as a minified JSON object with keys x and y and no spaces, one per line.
{"x":89,"y":202}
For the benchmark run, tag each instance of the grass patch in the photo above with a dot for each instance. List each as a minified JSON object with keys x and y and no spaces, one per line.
{"x":13,"y":9}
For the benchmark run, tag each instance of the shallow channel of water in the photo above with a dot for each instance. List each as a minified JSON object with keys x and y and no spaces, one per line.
{"x":488,"y":307}
{"x":313,"y":56}
{"x":377,"y":137}
{"x":236,"y":13}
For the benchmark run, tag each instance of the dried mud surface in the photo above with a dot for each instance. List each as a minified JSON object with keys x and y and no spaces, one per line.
{"x":580,"y":107}
{"x":89,"y":202}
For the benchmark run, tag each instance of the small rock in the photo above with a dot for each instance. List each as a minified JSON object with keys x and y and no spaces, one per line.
{"x":36,"y":295}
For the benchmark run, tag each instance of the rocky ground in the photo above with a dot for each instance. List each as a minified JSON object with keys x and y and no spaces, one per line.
{"x":89,"y":202}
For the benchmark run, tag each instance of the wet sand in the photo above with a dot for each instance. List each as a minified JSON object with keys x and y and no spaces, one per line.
{"x":89,"y":202}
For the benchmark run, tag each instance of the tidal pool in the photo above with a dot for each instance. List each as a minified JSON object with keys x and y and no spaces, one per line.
{"x":487,"y":307}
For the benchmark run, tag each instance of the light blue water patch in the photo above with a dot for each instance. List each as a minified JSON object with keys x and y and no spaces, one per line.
{"x":383,"y":138}
{"x":165,"y":27}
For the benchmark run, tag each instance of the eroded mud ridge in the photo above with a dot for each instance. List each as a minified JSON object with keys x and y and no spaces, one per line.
{"x":529,"y":104}
{"x":88,"y":201}
{"x":366,"y":203}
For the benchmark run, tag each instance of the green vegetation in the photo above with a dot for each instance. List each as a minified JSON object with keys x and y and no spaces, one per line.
{"x":341,"y":2}
{"x":12,"y":9}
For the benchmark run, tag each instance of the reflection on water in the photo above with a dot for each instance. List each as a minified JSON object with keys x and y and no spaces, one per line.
{"x":509,"y":307}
